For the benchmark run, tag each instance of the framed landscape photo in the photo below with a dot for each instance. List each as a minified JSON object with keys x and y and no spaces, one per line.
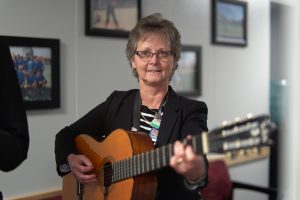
{"x":229,"y":22}
{"x":186,"y":79}
{"x":36,"y":62}
{"x":111,"y":18}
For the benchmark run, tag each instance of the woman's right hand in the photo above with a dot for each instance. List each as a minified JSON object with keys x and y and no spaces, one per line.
{"x":82,"y":167}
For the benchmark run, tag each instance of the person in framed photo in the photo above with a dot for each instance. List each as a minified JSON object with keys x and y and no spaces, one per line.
{"x":14,"y":136}
{"x":110,"y":12}
{"x":153,"y":51}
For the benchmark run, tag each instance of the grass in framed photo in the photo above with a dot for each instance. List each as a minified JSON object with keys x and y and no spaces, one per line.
{"x":111,"y":18}
{"x":36,"y":62}
{"x":229,"y":22}
{"x":186,"y":79}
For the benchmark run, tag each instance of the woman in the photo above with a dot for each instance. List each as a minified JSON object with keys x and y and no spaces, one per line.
{"x":153,"y":51}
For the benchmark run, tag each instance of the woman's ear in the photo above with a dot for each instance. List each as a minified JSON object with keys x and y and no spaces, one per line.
{"x":132,"y":63}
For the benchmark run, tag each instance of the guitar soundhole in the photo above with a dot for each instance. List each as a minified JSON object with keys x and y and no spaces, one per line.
{"x":107,"y":174}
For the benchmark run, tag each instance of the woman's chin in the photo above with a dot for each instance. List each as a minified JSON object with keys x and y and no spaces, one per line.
{"x":155,"y":83}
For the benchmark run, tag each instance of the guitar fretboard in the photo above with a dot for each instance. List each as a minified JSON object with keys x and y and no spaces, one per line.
{"x":146,"y":162}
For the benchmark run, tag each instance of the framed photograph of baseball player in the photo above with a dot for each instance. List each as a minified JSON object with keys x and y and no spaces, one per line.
{"x":111,"y":18}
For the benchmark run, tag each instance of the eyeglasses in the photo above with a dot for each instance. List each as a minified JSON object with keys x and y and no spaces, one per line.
{"x":147,"y":55}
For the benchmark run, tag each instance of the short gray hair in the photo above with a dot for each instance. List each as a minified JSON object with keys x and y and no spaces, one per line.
{"x":154,"y":23}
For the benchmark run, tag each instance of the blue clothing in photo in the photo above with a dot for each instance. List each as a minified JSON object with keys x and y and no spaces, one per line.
{"x":30,"y":66}
{"x":21,"y":77}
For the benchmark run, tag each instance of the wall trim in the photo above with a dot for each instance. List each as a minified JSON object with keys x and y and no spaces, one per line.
{"x":39,"y":196}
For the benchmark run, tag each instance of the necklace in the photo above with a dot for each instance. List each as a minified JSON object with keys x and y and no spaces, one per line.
{"x":145,"y":118}
{"x":152,"y":110}
{"x":159,"y":112}
{"x":155,"y":123}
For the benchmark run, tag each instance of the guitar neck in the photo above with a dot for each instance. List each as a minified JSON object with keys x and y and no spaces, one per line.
{"x":147,"y":162}
{"x":241,"y":135}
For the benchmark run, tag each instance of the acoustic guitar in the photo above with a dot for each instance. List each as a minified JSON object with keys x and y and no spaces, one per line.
{"x":125,"y":160}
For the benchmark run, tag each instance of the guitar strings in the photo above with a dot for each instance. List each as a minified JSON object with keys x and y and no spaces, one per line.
{"x":136,"y":164}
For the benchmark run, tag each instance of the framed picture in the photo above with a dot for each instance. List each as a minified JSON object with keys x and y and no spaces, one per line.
{"x":36,"y":62}
{"x":186,"y":79}
{"x":111,"y":18}
{"x":229,"y":22}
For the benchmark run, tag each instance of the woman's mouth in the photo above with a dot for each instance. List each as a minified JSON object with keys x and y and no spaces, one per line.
{"x":153,"y":70}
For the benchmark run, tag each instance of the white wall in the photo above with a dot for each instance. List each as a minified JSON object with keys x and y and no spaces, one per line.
{"x":47,"y":19}
{"x":235,"y":80}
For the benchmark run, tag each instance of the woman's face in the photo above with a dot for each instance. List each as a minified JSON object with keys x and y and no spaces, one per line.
{"x":155,"y":70}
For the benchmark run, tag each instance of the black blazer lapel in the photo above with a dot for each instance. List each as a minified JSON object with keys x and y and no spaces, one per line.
{"x":126,"y":122}
{"x":122,"y":109}
{"x":170,"y":117}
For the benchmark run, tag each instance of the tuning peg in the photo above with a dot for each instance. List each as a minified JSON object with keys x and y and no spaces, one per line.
{"x":248,"y":152}
{"x":237,"y":119}
{"x":242,"y":152}
{"x":229,"y":154}
{"x":225,"y":123}
{"x":256,"y":150}
{"x":250,"y":115}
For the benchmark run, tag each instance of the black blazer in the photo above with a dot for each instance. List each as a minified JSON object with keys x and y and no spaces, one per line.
{"x":181,"y":117}
{"x":14,"y":137}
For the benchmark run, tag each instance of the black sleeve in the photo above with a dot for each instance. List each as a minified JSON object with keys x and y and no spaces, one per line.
{"x":93,"y":123}
{"x":195,"y":123}
{"x":195,"y":120}
{"x":14,"y":134}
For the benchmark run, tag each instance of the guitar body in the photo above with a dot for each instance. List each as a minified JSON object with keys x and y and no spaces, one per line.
{"x":119,"y":145}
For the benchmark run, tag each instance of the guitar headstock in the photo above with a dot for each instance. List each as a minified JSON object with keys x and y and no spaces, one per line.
{"x":252,"y":131}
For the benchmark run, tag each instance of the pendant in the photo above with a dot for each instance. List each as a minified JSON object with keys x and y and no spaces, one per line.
{"x":153,"y":134}
{"x":155,"y":123}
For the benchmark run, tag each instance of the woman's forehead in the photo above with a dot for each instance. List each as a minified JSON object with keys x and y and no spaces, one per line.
{"x":152,"y":34}
{"x":151,"y":37}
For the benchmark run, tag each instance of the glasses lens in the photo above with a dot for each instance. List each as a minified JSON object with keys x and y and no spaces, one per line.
{"x":146,"y":55}
{"x":163,"y":54}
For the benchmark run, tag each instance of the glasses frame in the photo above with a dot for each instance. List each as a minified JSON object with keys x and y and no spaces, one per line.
{"x":170,"y":53}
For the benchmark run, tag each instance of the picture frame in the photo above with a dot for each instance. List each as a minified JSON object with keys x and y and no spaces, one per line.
{"x":111,"y":18}
{"x":37,"y":65}
{"x":229,"y":22}
{"x":186,"y":79}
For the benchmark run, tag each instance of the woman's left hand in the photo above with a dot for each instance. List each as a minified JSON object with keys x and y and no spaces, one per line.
{"x":187,"y":163}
